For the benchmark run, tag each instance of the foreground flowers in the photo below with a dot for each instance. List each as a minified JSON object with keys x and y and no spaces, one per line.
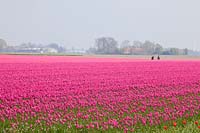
{"x":174,"y":124}
{"x":99,"y":94}
{"x":184,"y":122}
{"x":165,"y":127}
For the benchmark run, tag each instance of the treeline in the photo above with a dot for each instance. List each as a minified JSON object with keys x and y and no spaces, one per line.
{"x":108,"y":45}
{"x":32,"y":48}
{"x":103,"y":45}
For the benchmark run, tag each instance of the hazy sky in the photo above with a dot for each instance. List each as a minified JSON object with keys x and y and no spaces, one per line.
{"x":173,"y":23}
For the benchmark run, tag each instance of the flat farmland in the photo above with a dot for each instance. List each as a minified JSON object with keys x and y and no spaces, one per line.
{"x":99,"y":94}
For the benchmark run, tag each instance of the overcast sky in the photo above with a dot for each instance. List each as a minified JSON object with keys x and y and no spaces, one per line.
{"x":173,"y":23}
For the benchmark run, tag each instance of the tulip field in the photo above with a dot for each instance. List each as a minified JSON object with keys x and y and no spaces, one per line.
{"x":90,"y":94}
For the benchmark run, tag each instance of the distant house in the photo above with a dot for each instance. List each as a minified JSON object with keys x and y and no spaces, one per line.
{"x":127,"y":50}
{"x":138,"y":51}
{"x":50,"y":50}
{"x":3,"y":44}
{"x":26,"y":50}
{"x":76,"y":51}
{"x":132,"y":51}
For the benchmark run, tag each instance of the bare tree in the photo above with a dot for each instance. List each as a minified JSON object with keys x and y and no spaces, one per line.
{"x":125,"y":47}
{"x":186,"y":51}
{"x":106,"y":45}
{"x":125,"y":44}
{"x":137,"y":44}
{"x":158,"y":49}
{"x":3,"y":44}
{"x":149,"y":47}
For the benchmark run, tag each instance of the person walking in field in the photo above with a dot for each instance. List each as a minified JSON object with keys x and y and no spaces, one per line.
{"x":152,"y":58}
{"x":158,"y":57}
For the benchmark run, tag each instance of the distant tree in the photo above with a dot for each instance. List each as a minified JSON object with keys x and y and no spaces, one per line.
{"x":186,"y":51}
{"x":3,"y":44}
{"x":149,"y":47}
{"x":106,"y":45}
{"x":125,"y":44}
{"x":55,"y":46}
{"x":158,"y":49}
{"x":91,"y":50}
{"x":125,"y":47}
{"x":174,"y":51}
{"x":28,"y":45}
{"x":137,"y":44}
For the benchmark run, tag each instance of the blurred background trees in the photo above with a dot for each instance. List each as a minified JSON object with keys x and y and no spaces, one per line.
{"x":102,"y":45}
{"x":108,"y":45}
{"x":3,"y":44}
